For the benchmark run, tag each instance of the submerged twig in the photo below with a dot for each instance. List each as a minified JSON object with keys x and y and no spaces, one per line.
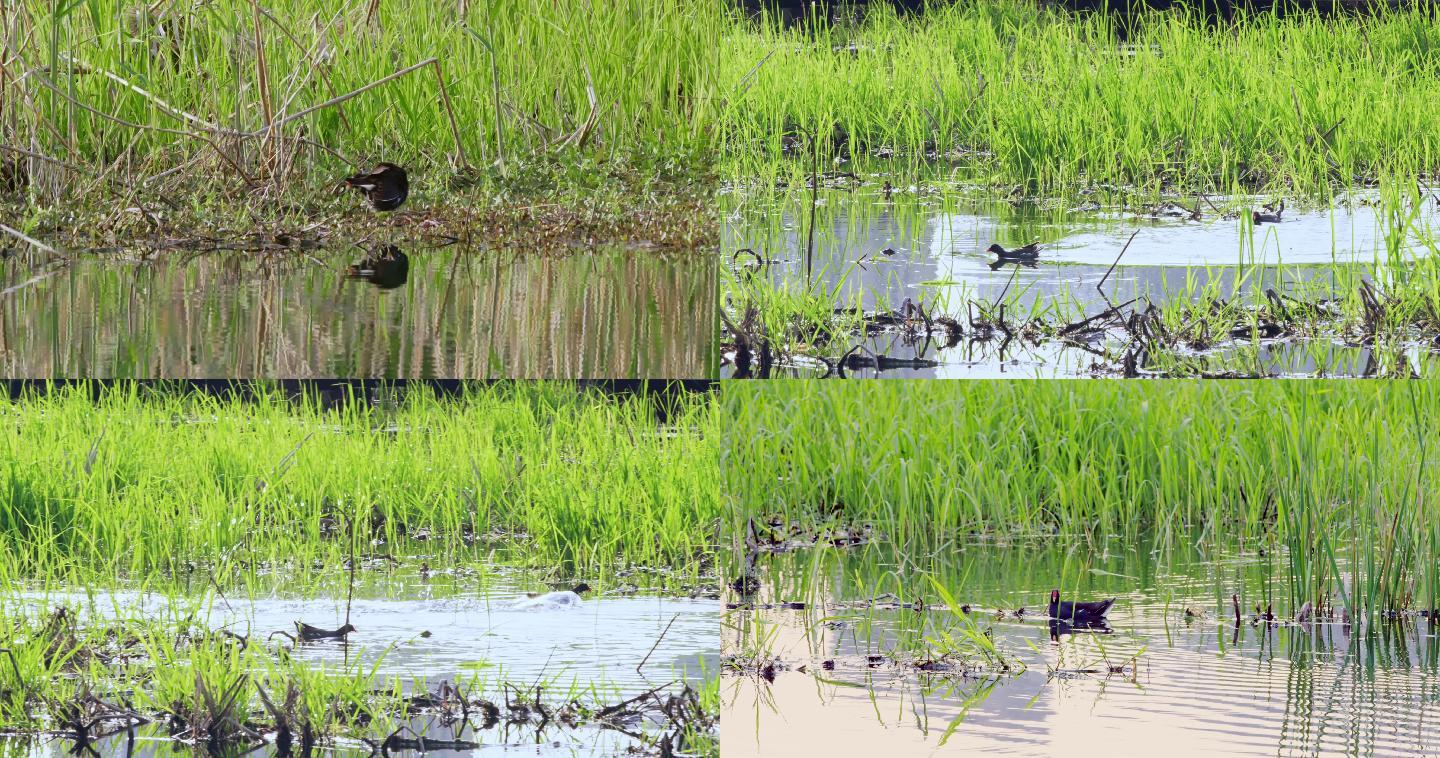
{"x":658,"y":640}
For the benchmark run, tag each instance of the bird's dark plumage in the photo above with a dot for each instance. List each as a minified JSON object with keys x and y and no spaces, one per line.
{"x":312,"y":633}
{"x":1081,"y":612}
{"x":1268,"y":218}
{"x":386,"y":186}
{"x":1028,"y":253}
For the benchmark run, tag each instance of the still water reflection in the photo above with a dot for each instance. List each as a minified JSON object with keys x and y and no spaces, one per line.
{"x":386,"y":313}
{"x":1190,"y":685}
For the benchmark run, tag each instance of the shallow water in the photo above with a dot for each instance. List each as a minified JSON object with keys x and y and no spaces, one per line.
{"x":448,"y":313}
{"x":474,"y":630}
{"x":1275,"y":358}
{"x":936,"y":255}
{"x":1198,"y":686}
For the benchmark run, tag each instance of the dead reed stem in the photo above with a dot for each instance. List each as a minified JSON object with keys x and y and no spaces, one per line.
{"x":23,"y":237}
{"x":347,"y":96}
{"x":262,"y":76}
{"x":449,"y":111}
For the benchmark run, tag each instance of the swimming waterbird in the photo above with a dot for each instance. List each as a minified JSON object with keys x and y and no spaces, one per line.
{"x":386,"y":186}
{"x":312,"y":633}
{"x":1028,"y":253}
{"x":554,"y":600}
{"x":1268,"y":218}
{"x":1079,"y":612}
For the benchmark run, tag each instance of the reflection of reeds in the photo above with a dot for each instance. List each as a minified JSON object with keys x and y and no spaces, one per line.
{"x":461,"y":315}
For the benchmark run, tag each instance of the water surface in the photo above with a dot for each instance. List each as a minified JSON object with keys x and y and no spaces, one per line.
{"x":1197,"y":686}
{"x":446,"y":625}
{"x":450,"y":313}
{"x":877,"y":251}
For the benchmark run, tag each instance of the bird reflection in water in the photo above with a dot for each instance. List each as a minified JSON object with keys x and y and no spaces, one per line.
{"x":386,"y":268}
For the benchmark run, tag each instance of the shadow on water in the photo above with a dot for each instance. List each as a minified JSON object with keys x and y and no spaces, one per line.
{"x":852,"y":636}
{"x":385,"y":313}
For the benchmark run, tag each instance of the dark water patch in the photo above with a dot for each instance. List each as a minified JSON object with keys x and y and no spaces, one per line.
{"x":381,"y":313}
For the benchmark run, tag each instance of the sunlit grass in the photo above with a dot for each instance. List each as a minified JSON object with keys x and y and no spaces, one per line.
{"x":196,"y":107}
{"x":141,"y":483}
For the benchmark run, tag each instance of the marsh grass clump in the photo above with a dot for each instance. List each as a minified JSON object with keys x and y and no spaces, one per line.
{"x":1326,"y":477}
{"x":143,"y":117}
{"x":137,"y":483}
{"x":1031,"y":96}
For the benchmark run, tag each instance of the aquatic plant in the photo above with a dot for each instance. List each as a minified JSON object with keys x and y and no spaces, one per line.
{"x":1032,"y":96}
{"x":86,"y":680}
{"x":1327,"y":475}
{"x":138,"y":482}
{"x":1210,"y":324}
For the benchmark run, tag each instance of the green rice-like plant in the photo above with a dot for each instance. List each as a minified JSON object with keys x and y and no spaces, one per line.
{"x":1335,"y":476}
{"x":139,"y":483}
{"x":1029,"y":95}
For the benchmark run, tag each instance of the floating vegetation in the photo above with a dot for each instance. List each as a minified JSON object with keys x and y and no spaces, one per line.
{"x":220,"y":690}
{"x":1216,"y":321}
{"x":883,"y":646}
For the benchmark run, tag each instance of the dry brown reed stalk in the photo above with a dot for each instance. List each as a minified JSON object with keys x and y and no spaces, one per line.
{"x":449,"y":111}
{"x":315,"y":59}
{"x":40,"y":156}
{"x":342,"y":98}
{"x":23,"y":237}
{"x":262,"y":80}
{"x":580,"y":136}
{"x":181,"y":132}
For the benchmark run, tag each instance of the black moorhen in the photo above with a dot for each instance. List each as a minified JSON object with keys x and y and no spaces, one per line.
{"x":1079,"y":612}
{"x":386,"y":268}
{"x":1268,"y":218}
{"x":386,"y":187}
{"x":312,"y":633}
{"x":1028,"y":253}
